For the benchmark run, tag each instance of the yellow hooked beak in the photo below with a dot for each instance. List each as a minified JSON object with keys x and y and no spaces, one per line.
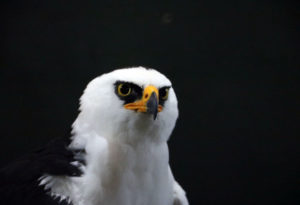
{"x":148,"y":103}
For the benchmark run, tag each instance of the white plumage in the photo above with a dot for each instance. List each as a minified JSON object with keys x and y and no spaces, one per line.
{"x":126,"y":152}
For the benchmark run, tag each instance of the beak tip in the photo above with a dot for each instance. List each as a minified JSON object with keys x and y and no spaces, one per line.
{"x":154,"y":116}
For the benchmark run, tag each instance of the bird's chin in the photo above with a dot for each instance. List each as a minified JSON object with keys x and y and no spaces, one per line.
{"x":141,"y":121}
{"x":145,"y":117}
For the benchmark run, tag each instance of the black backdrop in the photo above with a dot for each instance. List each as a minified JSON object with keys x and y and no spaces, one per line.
{"x":234,"y":66}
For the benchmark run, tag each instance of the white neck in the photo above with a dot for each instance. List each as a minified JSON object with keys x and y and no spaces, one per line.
{"x":137,"y":169}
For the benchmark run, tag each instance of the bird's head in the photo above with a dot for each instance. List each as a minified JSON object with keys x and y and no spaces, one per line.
{"x":128,"y":104}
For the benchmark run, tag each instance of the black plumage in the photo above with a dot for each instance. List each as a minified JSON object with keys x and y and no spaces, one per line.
{"x":19,"y":180}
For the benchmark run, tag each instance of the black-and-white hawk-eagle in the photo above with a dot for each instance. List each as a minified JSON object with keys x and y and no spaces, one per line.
{"x":116,"y":154}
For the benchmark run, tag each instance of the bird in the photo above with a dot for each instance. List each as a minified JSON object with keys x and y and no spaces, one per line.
{"x":116,"y":152}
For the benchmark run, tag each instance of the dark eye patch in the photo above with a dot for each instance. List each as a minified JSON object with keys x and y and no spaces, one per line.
{"x":162,"y":92}
{"x":136,"y":91}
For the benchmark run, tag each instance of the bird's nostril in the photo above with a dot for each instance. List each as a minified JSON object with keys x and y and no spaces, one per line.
{"x":146,"y":96}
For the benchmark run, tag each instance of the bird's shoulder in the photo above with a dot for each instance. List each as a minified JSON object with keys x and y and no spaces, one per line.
{"x":179,"y":195}
{"x":19,"y":181}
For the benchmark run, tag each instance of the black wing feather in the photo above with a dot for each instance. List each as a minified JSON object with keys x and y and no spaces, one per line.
{"x":19,"y":183}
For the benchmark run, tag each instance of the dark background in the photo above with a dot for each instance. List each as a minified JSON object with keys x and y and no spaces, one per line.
{"x":234,"y":65}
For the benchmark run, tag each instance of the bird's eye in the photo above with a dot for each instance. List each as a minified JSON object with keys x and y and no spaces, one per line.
{"x":164,"y":93}
{"x":124,"y":89}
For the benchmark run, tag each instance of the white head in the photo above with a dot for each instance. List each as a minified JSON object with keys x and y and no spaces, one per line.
{"x":128,"y":104}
